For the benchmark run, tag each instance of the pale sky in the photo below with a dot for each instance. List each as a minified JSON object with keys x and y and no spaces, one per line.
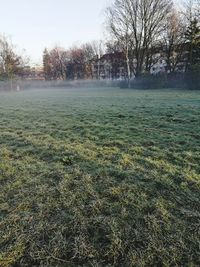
{"x":36,"y":24}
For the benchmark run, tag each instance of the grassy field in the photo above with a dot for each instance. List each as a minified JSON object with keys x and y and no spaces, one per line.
{"x":100,"y":177}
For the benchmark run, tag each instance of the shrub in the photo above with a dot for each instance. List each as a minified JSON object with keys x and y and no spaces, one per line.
{"x":192,"y":77}
{"x":149,"y":81}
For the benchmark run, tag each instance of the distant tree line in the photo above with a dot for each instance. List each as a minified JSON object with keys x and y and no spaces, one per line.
{"x":150,"y":43}
{"x":145,"y":32}
{"x":71,"y":64}
{"x":156,"y":30}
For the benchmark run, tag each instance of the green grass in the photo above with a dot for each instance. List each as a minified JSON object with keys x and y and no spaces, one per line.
{"x":104,"y":177}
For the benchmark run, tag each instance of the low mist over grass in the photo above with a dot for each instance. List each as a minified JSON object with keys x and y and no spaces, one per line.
{"x":99,"y":177}
{"x":18,"y":85}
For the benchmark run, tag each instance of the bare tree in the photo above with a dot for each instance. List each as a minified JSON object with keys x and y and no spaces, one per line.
{"x":77,"y":61}
{"x":198,"y":9}
{"x":92,"y":53}
{"x":99,"y":49}
{"x":174,"y":41}
{"x":138,"y":23}
{"x":54,"y":63}
{"x":89,"y":51}
{"x":118,"y":25}
{"x":191,"y":10}
{"x":11,"y":64}
{"x":113,"y":46}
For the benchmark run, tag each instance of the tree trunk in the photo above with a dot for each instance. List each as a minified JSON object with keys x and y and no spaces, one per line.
{"x":128,"y":67}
